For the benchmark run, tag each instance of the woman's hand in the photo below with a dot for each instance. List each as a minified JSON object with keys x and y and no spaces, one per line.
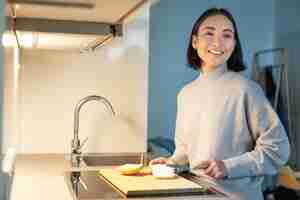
{"x":214,"y":168}
{"x":159,"y":160}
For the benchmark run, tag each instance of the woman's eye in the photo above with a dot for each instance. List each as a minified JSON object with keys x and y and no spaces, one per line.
{"x":209,"y":33}
{"x":228,"y":36}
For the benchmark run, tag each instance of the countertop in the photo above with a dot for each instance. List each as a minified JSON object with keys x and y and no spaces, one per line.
{"x":42,"y":177}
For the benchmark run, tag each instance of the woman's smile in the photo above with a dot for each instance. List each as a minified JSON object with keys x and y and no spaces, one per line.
{"x":216,"y":52}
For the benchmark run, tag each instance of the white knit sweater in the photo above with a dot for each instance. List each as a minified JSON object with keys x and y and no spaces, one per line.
{"x":222,"y":115}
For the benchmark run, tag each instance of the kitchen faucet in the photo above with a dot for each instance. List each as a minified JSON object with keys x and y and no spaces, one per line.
{"x":76,"y":144}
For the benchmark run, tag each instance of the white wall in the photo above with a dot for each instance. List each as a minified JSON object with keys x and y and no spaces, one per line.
{"x":52,"y":82}
{"x":10,"y":104}
{"x":3,"y":177}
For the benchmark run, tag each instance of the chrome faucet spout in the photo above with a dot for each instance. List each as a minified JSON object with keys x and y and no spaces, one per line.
{"x":76,"y":145}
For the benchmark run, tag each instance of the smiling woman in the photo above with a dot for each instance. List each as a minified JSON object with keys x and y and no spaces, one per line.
{"x":226,"y":130}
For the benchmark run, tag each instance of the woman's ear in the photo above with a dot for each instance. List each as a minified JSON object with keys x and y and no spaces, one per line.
{"x":194,"y":41}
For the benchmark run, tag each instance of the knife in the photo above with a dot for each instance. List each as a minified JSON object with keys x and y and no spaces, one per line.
{"x":180,"y":168}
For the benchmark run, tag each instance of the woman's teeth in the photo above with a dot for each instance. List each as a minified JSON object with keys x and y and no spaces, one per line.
{"x":215,"y":52}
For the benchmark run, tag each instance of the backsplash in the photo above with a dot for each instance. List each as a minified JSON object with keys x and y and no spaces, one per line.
{"x":51,"y":83}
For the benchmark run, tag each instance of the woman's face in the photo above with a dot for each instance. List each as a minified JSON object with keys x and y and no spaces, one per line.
{"x":214,"y":42}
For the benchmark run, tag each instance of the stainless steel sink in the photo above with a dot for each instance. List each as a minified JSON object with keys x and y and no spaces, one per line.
{"x":87,"y":185}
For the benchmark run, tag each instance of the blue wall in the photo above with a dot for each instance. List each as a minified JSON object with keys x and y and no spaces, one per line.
{"x":170,"y":25}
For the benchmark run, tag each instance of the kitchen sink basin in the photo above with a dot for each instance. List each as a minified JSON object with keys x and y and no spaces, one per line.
{"x":112,"y":159}
{"x":88,"y":185}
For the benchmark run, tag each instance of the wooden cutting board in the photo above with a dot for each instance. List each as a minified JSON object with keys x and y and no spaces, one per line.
{"x":147,"y":185}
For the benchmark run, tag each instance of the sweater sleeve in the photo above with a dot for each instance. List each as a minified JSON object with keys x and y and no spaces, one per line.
{"x":271,"y":145}
{"x":180,"y":154}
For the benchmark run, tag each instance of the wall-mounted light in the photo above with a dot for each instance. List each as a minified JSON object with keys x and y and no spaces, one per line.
{"x":8,"y":39}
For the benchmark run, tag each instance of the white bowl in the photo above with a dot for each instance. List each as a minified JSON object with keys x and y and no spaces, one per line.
{"x":163,"y":171}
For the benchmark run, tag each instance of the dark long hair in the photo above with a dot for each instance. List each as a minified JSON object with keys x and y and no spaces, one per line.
{"x":235,"y":61}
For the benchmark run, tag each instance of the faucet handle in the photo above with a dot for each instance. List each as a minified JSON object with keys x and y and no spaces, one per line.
{"x":83,"y":143}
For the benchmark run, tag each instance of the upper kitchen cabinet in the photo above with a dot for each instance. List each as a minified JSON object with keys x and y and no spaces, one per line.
{"x":86,"y":23}
{"x":108,"y":11}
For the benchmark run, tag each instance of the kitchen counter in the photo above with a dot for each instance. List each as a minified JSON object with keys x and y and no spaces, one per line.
{"x":42,"y":177}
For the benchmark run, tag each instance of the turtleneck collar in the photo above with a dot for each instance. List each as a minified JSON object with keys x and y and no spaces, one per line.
{"x":214,"y":74}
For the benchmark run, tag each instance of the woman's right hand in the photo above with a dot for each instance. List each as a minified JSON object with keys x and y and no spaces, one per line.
{"x":159,"y":160}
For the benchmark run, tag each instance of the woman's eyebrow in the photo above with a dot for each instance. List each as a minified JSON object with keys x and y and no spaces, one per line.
{"x":213,"y":28}
{"x":228,"y":30}
{"x":209,"y":27}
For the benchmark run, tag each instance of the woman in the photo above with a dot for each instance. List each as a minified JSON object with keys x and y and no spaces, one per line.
{"x":225,"y":128}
